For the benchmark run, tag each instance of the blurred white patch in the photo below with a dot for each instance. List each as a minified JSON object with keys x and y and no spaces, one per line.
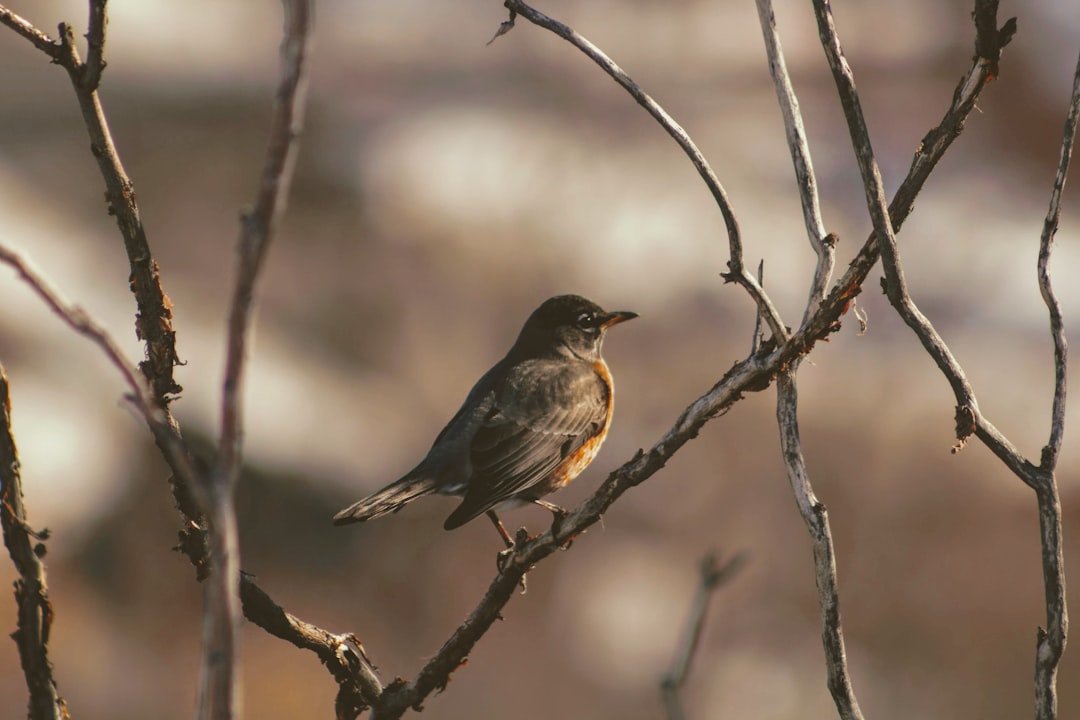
{"x":68,"y":449}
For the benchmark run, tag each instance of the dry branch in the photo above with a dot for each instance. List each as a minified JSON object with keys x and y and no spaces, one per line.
{"x":822,"y":243}
{"x":1051,"y":642}
{"x":219,"y":685}
{"x":154,"y":327}
{"x":812,"y":511}
{"x":712,"y":577}
{"x":27,"y":548}
{"x":816,"y":518}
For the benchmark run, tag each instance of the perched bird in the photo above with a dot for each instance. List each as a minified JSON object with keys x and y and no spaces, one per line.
{"x":528,"y":427}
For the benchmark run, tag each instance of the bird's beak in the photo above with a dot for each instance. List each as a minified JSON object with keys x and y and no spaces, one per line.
{"x":617,"y":317}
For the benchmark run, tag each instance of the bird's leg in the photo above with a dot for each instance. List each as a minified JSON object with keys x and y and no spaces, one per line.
{"x":558,"y":515}
{"x":502,"y":530}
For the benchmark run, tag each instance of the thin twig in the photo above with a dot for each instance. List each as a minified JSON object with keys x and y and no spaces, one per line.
{"x":78,"y":320}
{"x":95,"y":46}
{"x":1051,"y":641}
{"x":41,"y":41}
{"x":1057,"y":325}
{"x":816,"y":518}
{"x":822,"y":243}
{"x":989,"y":42}
{"x":737,"y":271}
{"x":27,"y":549}
{"x":343,"y":655}
{"x":712,"y":577}
{"x":219,"y":687}
{"x":758,"y":337}
{"x":154,"y":319}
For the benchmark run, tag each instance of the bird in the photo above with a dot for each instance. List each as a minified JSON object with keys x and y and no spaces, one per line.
{"x":529,"y":426}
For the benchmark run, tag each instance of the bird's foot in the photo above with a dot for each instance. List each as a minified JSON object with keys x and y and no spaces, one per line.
{"x":503,"y":556}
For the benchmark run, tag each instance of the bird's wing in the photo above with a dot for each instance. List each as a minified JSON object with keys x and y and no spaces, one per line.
{"x":542,"y":413}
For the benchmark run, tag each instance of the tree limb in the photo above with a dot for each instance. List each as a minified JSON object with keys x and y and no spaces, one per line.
{"x":1051,"y":641}
{"x":816,"y":518}
{"x":23,"y":27}
{"x":27,"y":548}
{"x":219,"y":685}
{"x":822,"y":243}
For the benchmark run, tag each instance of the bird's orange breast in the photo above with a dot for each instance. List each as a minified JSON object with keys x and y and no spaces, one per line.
{"x":577,"y":461}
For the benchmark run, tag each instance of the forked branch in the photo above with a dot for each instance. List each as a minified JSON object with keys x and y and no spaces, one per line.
{"x":970,"y":420}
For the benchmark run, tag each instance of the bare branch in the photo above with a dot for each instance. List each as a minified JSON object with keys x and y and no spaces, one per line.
{"x":989,"y":43}
{"x":257,"y":226}
{"x":970,"y":419}
{"x":359,"y":684}
{"x":27,"y":549}
{"x":221,"y":627}
{"x":816,"y":518}
{"x":77,"y":319}
{"x":41,"y":41}
{"x":712,"y":577}
{"x":737,"y":271}
{"x":822,"y":243}
{"x":1051,"y":641}
{"x":154,"y":319}
{"x":343,"y":655}
{"x":95,"y":44}
{"x":1057,"y":325}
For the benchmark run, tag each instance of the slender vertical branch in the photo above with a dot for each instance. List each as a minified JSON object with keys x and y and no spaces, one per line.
{"x":1057,"y":324}
{"x":77,"y":319}
{"x":219,"y":696}
{"x":1051,"y":641}
{"x":805,"y":180}
{"x":817,"y":523}
{"x":712,"y":576}
{"x":27,"y":548}
{"x":95,"y":46}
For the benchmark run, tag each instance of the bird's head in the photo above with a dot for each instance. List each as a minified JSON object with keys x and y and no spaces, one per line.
{"x":568,"y":325}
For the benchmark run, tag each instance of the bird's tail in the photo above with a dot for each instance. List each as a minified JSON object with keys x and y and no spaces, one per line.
{"x":390,"y":499}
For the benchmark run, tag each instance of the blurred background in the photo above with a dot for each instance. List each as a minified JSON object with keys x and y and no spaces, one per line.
{"x":445,"y":188}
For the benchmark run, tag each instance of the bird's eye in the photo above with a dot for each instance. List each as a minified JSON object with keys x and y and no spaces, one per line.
{"x":586,"y":321}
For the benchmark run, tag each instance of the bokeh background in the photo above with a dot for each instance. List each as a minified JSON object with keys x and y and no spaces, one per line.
{"x":444,"y":189}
